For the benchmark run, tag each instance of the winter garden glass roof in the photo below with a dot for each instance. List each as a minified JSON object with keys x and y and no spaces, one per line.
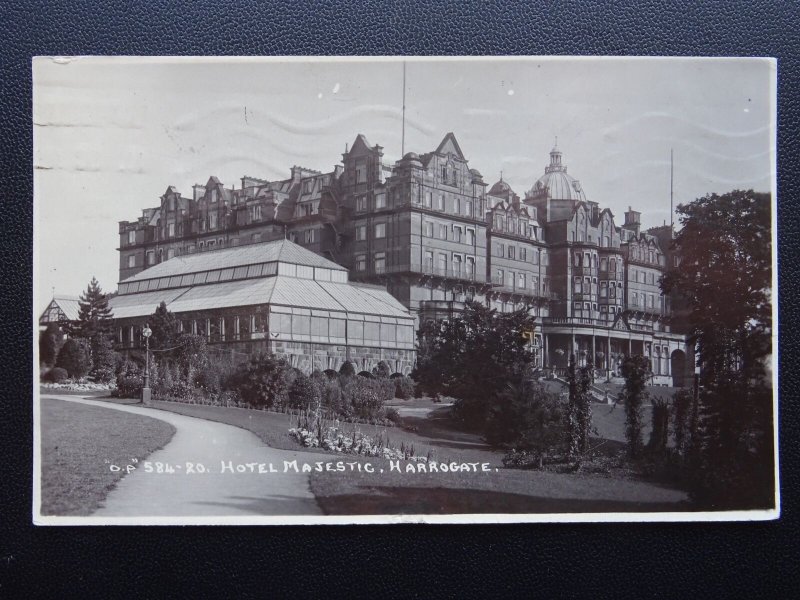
{"x":234,"y":281}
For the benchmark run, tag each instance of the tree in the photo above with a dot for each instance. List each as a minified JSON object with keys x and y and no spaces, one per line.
{"x":74,"y":358}
{"x":164,"y":326}
{"x":473,"y":358}
{"x":724,"y":276}
{"x":49,"y":344}
{"x":94,"y":316}
{"x":636,"y":371}
{"x":579,"y":414}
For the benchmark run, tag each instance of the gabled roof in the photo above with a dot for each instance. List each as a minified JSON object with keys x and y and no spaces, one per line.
{"x":277,"y":251}
{"x":279,"y":290}
{"x":360,"y":145}
{"x":68,"y":305}
{"x":449,"y":145}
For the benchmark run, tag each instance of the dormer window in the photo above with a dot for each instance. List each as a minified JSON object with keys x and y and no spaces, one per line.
{"x":307,"y":185}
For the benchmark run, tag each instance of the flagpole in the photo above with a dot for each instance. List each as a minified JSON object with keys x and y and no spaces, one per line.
{"x":671,"y":176}
{"x":403,"y":137}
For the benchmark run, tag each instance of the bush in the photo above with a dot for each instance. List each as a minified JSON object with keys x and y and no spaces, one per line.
{"x":55,"y":375}
{"x":74,"y":358}
{"x":382,"y":370}
{"x":303,"y":392}
{"x":263,"y":382}
{"x":104,"y":359}
{"x":130,"y":381}
{"x":366,"y":397}
{"x":347,"y":369}
{"x":404,"y":387}
{"x":527,"y":418}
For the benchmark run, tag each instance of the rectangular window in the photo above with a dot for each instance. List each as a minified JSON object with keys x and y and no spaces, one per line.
{"x":501,"y":250}
{"x":361,"y":203}
{"x":456,"y":233}
{"x":361,"y":262}
{"x":523,"y":254}
{"x":429,"y":261}
{"x":440,"y":202}
{"x":309,"y":236}
{"x":361,"y":233}
{"x":577,"y":288}
{"x":131,"y":237}
{"x":319,"y":327}
{"x":456,"y":206}
{"x":171,"y":230}
{"x":442,"y":232}
{"x":380,"y":262}
{"x":470,"y":267}
{"x":151,"y":257}
{"x":511,"y":252}
{"x":372,"y":334}
{"x":521,"y":281}
{"x":442,"y":263}
{"x":468,"y":208}
{"x":471,"y":237}
{"x":131,"y":261}
{"x":428,"y":199}
{"x":380,"y":230}
{"x":361,"y":174}
{"x":428,"y":229}
{"x":499,"y":276}
{"x":457,"y":264}
{"x":380,"y":201}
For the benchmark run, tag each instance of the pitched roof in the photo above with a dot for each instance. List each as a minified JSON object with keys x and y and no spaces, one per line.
{"x":449,"y":145}
{"x":279,"y":290}
{"x":276,"y":251}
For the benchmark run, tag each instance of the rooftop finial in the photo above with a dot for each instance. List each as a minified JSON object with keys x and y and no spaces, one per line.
{"x":556,"y":144}
{"x":501,"y":175}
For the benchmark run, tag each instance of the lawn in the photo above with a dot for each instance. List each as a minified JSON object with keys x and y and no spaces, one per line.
{"x":499,"y":490}
{"x":80,"y":442}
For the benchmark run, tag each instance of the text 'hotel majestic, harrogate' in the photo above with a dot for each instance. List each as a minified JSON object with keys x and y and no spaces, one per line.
{"x":435,"y":235}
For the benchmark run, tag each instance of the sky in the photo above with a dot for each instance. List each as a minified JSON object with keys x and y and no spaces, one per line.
{"x":111,"y":134}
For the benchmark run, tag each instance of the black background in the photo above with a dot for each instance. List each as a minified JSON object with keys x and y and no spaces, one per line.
{"x":598,"y":560}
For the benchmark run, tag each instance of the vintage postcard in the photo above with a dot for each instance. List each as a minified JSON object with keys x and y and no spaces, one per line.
{"x":402,"y":289}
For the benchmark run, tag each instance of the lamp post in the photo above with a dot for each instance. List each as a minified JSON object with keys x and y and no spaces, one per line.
{"x":146,"y":333}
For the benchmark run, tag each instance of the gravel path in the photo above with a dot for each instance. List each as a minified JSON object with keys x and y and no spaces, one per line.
{"x":207,"y":460}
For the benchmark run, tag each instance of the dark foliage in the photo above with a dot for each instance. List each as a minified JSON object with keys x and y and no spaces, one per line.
{"x":659,"y":434}
{"x":527,"y":418}
{"x":382,"y":370}
{"x":404,"y":387}
{"x":636,"y":371}
{"x":164,"y":326}
{"x":579,"y":413}
{"x":50,"y":341}
{"x":56,"y":375}
{"x":473,"y":358}
{"x":347,"y":369}
{"x":263,"y":381}
{"x":724,"y":277}
{"x":74,"y":357}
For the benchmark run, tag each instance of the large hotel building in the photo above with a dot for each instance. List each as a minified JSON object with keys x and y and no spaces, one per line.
{"x":429,"y":231}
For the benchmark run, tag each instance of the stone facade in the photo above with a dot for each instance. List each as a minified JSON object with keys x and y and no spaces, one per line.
{"x":435,"y":235}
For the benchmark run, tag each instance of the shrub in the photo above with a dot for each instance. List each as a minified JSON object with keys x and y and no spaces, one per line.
{"x":366,"y":398}
{"x":366,"y":375}
{"x":347,"y":369}
{"x":635,"y":370}
{"x":74,"y":358}
{"x":303,"y":392}
{"x":263,"y":382}
{"x":129,"y":381}
{"x":404,"y":387}
{"x":56,"y":375}
{"x":382,"y":370}
{"x":527,"y":418}
{"x":660,"y":432}
{"x":104,"y":359}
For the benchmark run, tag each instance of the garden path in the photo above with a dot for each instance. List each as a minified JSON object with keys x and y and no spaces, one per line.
{"x":212,"y":493}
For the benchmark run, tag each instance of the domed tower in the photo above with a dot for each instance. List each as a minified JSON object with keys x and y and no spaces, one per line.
{"x":555,"y":193}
